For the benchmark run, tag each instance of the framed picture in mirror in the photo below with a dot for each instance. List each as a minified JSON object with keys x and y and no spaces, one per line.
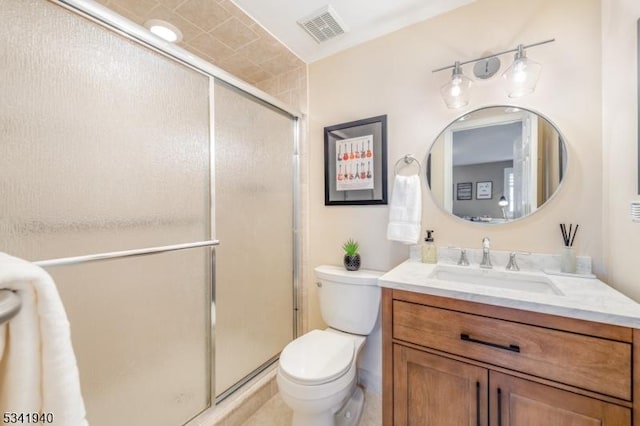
{"x":484,"y":190}
{"x":464,"y":191}
{"x":355,"y":162}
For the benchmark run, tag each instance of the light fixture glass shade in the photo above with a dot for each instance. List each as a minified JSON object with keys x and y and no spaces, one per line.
{"x":456,"y":92}
{"x":522,"y":76}
{"x":164,"y":30}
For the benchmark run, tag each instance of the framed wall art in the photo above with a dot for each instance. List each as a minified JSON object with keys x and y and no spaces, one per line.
{"x":355,"y":162}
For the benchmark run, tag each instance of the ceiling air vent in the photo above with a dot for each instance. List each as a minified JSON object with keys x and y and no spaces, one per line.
{"x":323,"y":24}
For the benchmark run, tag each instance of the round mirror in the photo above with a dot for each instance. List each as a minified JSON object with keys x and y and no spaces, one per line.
{"x":496,"y":164}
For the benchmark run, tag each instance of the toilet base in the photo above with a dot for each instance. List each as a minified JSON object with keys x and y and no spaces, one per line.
{"x":350,"y":413}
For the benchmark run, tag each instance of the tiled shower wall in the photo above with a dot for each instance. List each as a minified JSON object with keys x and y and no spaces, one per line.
{"x":221,"y":33}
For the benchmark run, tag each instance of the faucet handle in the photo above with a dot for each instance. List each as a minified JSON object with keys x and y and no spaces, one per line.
{"x":463,"y":261}
{"x":513,"y":265}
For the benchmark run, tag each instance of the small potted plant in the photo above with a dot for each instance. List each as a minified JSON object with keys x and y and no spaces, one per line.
{"x":351,"y":257}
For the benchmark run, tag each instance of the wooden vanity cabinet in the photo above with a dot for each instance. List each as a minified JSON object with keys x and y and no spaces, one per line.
{"x":448,"y":362}
{"x":516,"y":401}
{"x":461,"y":394}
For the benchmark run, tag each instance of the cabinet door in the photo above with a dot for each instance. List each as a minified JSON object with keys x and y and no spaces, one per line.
{"x":431,"y":390}
{"x":519,"y":402}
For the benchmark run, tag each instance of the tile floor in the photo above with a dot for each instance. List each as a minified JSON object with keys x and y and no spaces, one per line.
{"x":276,"y":413}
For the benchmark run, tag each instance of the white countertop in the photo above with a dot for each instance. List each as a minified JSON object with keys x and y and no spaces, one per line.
{"x":582,"y":298}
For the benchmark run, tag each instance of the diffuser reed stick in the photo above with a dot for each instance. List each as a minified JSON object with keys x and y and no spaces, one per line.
{"x":568,"y":235}
{"x":568,"y":262}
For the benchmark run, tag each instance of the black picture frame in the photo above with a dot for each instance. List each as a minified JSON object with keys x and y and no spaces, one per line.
{"x":484,"y":190}
{"x":464,"y":191}
{"x":372,"y":187}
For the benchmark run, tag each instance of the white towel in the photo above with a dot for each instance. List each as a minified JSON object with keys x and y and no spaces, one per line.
{"x":38,"y":370}
{"x":405,"y":211}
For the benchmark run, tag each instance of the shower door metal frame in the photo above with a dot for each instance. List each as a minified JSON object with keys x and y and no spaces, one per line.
{"x":107,"y":18}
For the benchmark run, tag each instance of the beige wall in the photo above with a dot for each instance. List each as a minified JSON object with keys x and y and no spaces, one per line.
{"x":619,"y":142}
{"x":392,"y":75}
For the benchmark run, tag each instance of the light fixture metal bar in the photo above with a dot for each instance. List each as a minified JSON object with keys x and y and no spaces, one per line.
{"x":495,"y":54}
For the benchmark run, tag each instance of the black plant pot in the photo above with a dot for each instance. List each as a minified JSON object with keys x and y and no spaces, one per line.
{"x":352,"y":263}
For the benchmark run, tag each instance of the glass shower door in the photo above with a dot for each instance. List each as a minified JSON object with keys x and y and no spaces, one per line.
{"x":104,"y":146}
{"x":254,"y":155}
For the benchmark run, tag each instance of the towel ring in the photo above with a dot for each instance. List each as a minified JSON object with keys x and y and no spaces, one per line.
{"x":407,"y":159}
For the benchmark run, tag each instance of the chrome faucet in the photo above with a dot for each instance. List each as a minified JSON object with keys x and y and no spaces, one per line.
{"x":486,"y":255}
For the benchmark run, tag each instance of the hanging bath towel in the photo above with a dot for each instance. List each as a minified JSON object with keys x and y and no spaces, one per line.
{"x":38,"y":370}
{"x":405,"y":211}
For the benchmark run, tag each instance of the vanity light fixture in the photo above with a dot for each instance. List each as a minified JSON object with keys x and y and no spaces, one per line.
{"x":456,"y":92}
{"x":164,"y":30}
{"x":521,"y":76}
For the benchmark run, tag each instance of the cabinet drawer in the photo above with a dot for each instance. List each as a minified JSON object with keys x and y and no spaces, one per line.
{"x":586,"y":362}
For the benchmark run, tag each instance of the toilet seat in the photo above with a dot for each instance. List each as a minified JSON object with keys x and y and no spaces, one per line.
{"x":317,"y":357}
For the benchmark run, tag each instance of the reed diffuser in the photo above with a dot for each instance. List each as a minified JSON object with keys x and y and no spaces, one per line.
{"x":568,"y":256}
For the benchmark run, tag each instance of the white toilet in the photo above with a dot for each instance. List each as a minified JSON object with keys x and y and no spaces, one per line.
{"x":317,"y":374}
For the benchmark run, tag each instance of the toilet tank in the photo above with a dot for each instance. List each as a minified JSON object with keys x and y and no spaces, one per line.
{"x":349,"y":300}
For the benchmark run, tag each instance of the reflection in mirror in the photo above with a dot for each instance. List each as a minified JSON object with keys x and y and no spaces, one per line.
{"x":496,"y":164}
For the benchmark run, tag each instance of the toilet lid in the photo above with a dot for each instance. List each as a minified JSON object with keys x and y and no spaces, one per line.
{"x":317,"y":357}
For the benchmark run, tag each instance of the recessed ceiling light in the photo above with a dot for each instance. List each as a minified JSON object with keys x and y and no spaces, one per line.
{"x":164,"y":30}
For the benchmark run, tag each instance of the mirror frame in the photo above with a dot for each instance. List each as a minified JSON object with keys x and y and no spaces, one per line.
{"x":563,"y":172}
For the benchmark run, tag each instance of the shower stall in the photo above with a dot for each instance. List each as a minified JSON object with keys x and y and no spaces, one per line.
{"x":160,"y":194}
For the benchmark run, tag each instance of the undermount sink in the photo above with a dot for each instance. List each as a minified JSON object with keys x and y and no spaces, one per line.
{"x":520,"y":281}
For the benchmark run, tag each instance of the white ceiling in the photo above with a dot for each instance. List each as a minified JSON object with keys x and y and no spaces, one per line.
{"x":365,"y":19}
